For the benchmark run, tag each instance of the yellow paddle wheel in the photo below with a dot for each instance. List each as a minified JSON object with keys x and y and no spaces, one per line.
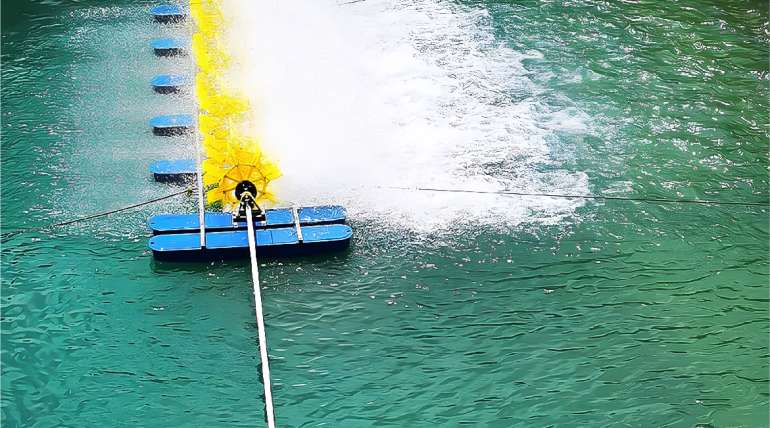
{"x":232,"y":156}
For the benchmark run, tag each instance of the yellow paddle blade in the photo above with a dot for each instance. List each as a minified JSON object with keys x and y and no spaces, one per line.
{"x":209,"y":56}
{"x":207,"y":16}
{"x":214,"y":146}
{"x":209,"y":125}
{"x":270,"y":171}
{"x":214,"y":100}
{"x":203,"y":85}
{"x":200,"y":50}
{"x":219,"y":131}
{"x":212,"y":198}
{"x":223,"y":105}
{"x":212,"y":172}
{"x":221,"y":149}
{"x":219,"y":127}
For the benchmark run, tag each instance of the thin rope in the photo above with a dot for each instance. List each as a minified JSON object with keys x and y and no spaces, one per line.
{"x":260,"y":320}
{"x":97,"y":215}
{"x":594,"y":197}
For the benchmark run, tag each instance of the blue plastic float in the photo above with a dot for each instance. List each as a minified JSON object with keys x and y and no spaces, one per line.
{"x":172,"y":124}
{"x":169,"y":171}
{"x":168,"y":83}
{"x":314,"y":230}
{"x":167,"y":14}
{"x":222,"y":221}
{"x":167,"y":47}
{"x":280,"y":242}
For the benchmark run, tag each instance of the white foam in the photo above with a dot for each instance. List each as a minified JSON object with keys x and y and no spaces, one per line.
{"x":353,"y":98}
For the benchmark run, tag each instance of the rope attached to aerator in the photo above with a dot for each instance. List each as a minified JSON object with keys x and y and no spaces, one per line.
{"x":187,"y":191}
{"x":246,"y":193}
{"x":593,"y":197}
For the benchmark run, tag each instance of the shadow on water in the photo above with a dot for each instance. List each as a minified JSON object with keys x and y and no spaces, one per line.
{"x":338,"y":258}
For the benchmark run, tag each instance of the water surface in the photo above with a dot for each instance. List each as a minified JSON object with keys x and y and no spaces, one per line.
{"x":506,"y":312}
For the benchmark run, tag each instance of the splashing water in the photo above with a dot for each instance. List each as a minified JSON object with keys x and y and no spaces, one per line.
{"x":373,"y":95}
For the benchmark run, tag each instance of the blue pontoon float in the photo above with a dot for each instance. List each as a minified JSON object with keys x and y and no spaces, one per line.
{"x":173,"y":171}
{"x":168,"y":83}
{"x":172,"y":124}
{"x":297,"y":240}
{"x":273,"y":218}
{"x":167,"y":14}
{"x":167,"y":47}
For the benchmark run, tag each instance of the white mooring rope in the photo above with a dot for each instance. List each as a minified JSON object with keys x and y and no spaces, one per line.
{"x":260,"y":320}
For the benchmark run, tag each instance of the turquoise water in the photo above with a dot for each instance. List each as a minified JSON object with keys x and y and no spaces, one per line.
{"x":587,"y":314}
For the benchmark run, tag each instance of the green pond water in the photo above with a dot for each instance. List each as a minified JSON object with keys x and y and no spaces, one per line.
{"x":618,"y":314}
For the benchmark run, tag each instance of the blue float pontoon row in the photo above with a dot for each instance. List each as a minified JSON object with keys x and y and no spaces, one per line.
{"x":172,"y":124}
{"x":168,"y":83}
{"x":220,"y":221}
{"x":167,"y":47}
{"x":281,"y":242}
{"x":314,"y":230}
{"x":167,"y":14}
